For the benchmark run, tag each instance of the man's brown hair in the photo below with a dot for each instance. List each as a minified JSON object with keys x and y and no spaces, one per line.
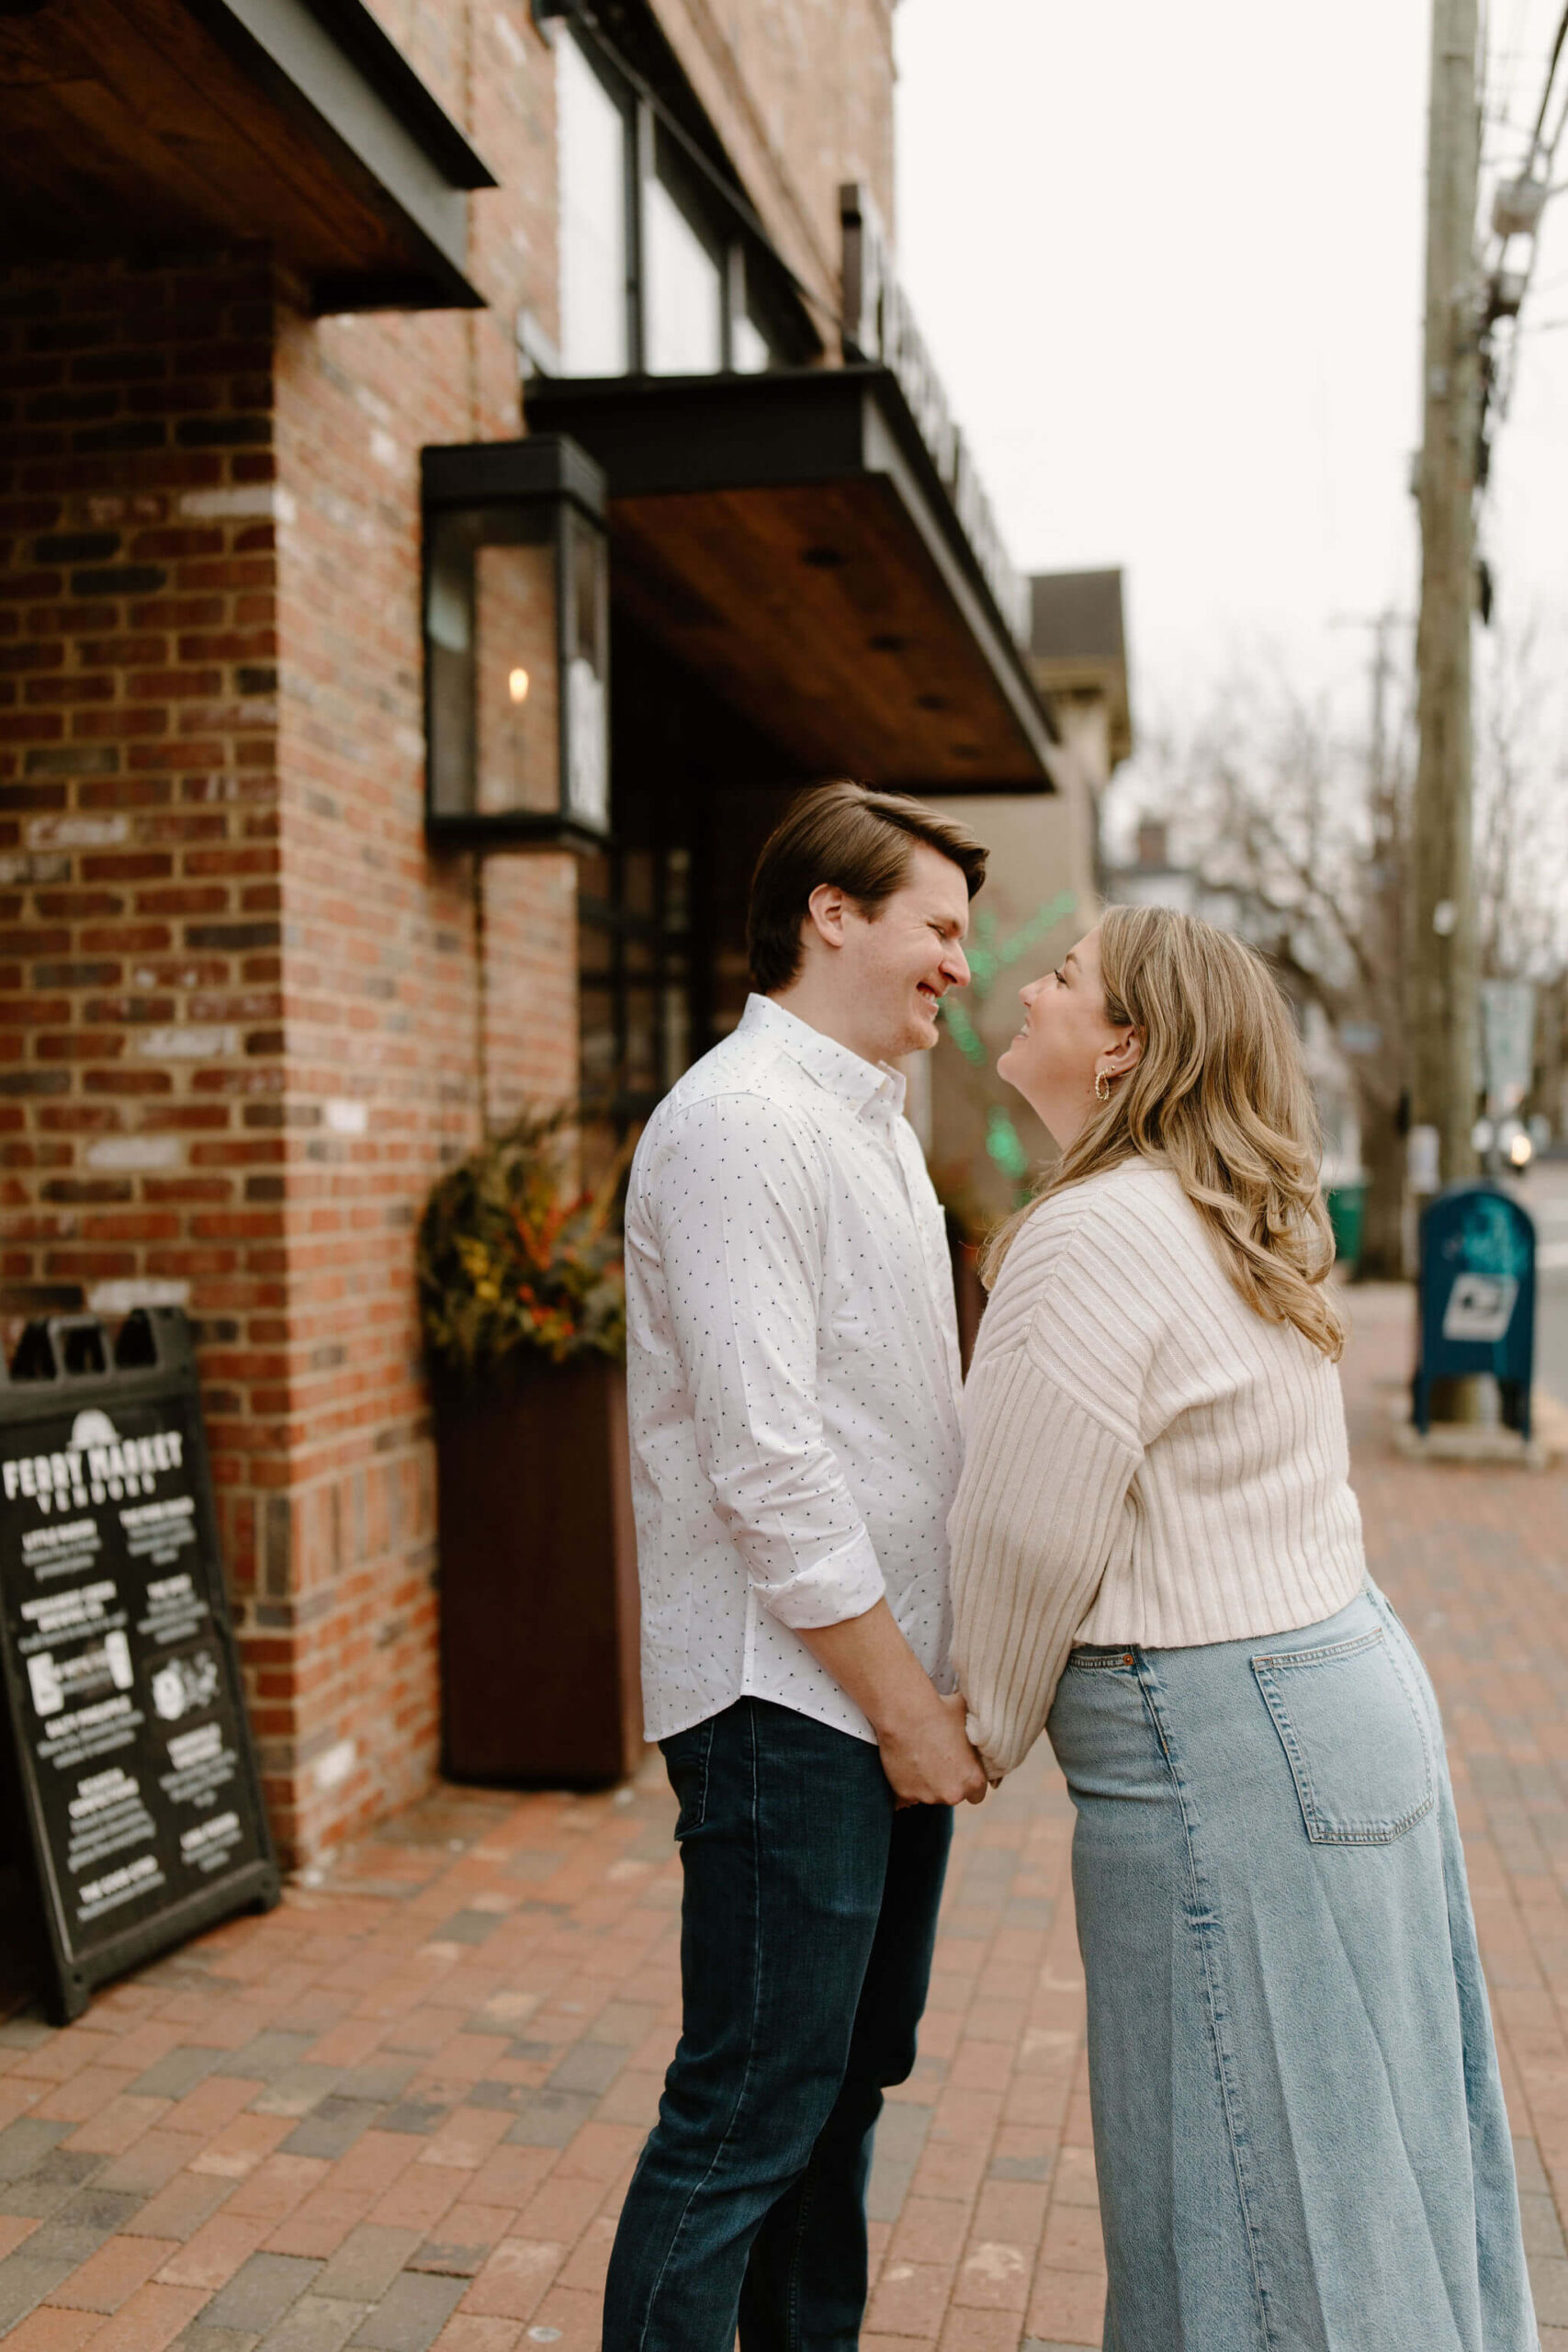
{"x":856,"y":841}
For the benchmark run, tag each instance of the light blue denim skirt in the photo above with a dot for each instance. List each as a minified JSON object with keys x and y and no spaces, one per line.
{"x":1298,"y":2124}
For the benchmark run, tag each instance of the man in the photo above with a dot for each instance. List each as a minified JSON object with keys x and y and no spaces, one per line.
{"x":793,"y":1387}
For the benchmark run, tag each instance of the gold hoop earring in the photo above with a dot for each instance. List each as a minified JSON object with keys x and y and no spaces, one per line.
{"x":1102,"y":1086}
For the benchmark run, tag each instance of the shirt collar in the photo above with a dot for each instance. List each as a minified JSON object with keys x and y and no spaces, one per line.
{"x":834,"y":1067}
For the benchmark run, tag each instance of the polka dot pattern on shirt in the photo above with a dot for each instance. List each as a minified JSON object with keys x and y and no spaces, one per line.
{"x":793,"y":1374}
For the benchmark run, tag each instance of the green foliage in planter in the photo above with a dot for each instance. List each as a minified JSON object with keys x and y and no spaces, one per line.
{"x":513,"y":1266}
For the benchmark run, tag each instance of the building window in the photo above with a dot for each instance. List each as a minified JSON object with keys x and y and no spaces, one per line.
{"x":749,"y":347}
{"x":594,"y":145}
{"x":657,"y":272}
{"x":683,"y":287}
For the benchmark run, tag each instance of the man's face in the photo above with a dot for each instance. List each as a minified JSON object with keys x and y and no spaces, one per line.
{"x":895,"y":966}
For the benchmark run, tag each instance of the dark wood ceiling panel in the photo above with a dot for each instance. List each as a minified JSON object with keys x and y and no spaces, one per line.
{"x":817,"y":613}
{"x":787,"y":536}
{"x":133,"y":123}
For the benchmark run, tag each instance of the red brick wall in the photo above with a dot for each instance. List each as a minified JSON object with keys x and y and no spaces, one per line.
{"x":248,"y":1018}
{"x":231,"y":1068}
{"x":386,"y":1007}
{"x":142,"y":1069}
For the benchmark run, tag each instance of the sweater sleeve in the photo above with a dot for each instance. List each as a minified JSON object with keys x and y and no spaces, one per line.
{"x":1043,"y":1502}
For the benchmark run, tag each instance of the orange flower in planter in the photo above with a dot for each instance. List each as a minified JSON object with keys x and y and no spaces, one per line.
{"x":513,"y":1264}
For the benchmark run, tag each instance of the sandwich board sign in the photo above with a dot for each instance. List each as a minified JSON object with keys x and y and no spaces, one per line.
{"x":134,"y":1802}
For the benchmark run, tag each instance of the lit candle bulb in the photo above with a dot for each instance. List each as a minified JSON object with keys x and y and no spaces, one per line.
{"x":517,"y":685}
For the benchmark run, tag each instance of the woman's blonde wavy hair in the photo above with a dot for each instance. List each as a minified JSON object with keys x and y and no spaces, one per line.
{"x":1220,"y":1095}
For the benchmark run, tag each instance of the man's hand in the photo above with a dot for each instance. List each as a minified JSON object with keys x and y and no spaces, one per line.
{"x":928,"y":1757}
{"x":925,"y":1749}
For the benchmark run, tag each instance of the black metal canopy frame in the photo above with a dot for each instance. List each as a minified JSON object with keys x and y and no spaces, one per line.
{"x":350,"y":90}
{"x":788,"y":536}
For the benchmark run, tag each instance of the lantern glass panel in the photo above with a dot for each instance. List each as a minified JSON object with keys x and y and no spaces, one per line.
{"x":517,"y":623}
{"x":585,"y":653}
{"x":515,"y":679}
{"x":449,"y":660}
{"x":492,"y":600}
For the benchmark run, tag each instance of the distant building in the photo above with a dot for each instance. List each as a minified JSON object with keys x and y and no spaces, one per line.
{"x":1153,"y":878}
{"x":1078,"y":655}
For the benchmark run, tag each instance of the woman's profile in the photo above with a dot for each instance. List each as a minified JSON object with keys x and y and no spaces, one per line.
{"x":1298,"y":2122}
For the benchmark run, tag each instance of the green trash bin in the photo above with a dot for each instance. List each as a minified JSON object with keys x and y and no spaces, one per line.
{"x":1346,"y":1206}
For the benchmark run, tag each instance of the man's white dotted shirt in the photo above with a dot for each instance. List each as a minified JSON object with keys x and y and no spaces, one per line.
{"x":793,"y":1375}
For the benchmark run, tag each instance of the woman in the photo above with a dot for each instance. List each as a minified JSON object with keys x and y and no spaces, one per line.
{"x":1157,"y":1557}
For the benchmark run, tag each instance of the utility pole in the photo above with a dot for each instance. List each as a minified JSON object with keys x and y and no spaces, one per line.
{"x":1442,"y":931}
{"x":1384,"y":1080}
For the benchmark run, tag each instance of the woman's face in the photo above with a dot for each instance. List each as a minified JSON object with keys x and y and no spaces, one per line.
{"x":1066,"y":1038}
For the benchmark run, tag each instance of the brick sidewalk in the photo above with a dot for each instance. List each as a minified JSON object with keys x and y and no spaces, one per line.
{"x":399,"y":2112}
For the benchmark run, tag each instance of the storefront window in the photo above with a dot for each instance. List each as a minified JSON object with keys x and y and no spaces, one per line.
{"x":591,"y":144}
{"x":633,"y":984}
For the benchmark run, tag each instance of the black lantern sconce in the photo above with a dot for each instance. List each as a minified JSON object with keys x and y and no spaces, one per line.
{"x":516,"y":646}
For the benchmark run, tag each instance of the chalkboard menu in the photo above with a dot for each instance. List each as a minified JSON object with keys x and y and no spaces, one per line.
{"x":132,"y":1779}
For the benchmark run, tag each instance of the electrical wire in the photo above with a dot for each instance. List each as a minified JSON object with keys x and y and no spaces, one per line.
{"x":1497,"y":386}
{"x":1546,"y":93}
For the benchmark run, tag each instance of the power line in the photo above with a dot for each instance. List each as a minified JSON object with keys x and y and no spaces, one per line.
{"x":1546,"y":94}
{"x":1507,"y":300}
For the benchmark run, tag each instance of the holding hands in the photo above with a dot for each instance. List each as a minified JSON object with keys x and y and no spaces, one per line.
{"x":926,"y":1751}
{"x":931,"y":1762}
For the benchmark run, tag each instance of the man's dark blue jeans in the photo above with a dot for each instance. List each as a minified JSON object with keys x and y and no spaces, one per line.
{"x":806,"y":1928}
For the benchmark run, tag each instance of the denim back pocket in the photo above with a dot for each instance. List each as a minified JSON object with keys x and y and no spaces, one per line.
{"x":686,"y":1761}
{"x":1354,"y":1738}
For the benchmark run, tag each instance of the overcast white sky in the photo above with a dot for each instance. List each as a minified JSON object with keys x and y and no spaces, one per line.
{"x":1169,"y":262}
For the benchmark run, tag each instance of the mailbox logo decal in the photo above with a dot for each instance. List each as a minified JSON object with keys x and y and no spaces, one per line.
{"x":1481,"y":1306}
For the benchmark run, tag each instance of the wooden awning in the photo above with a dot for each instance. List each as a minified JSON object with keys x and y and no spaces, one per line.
{"x":131,"y":124}
{"x":788,"y":537}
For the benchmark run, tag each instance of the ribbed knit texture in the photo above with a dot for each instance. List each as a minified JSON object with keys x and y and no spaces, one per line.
{"x":1147,"y":1460}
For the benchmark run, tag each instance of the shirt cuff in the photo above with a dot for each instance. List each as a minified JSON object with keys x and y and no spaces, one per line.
{"x":845,"y":1585}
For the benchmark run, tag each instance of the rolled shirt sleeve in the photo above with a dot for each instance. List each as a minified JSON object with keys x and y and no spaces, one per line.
{"x":744,"y":1307}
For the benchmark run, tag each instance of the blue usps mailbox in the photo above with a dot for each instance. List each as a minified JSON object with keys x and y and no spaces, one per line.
{"x":1477,"y":1298}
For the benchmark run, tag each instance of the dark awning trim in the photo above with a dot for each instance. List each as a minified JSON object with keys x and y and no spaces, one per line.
{"x":658,"y":436}
{"x":331,"y":66}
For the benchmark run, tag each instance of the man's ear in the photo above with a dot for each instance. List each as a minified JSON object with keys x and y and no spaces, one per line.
{"x":827,"y":908}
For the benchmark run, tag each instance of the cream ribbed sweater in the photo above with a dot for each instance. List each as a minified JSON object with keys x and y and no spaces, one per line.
{"x":1147,"y":1460}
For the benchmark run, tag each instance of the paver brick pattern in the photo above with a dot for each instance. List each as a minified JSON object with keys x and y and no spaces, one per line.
{"x":400,"y":2112}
